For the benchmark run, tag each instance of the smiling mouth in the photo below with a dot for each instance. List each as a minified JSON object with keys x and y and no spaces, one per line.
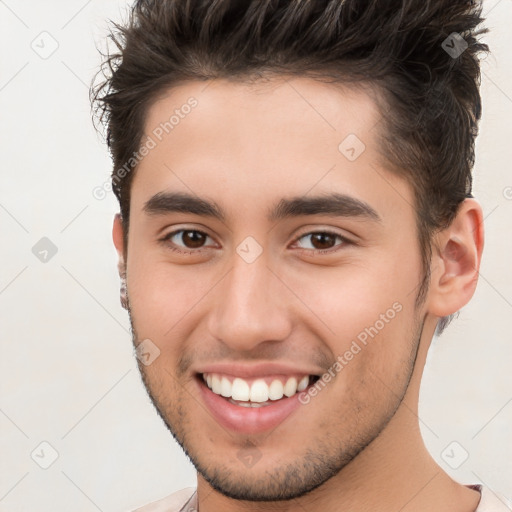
{"x":258,"y":392}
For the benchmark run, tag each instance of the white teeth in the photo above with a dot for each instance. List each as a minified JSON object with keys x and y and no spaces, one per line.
{"x":303,"y":383}
{"x":276,"y":390}
{"x":290,"y":387}
{"x":259,"y":392}
{"x":249,"y":404}
{"x":240,"y":390}
{"x":225,"y":387}
{"x":215,"y":384}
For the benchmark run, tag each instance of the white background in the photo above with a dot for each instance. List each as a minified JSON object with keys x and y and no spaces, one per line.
{"x":68,"y":374}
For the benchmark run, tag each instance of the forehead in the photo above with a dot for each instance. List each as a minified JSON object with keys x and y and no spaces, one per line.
{"x":279,"y":112}
{"x":257,"y":140}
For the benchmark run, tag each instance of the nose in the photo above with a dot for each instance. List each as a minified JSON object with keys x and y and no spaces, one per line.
{"x":250,"y":306}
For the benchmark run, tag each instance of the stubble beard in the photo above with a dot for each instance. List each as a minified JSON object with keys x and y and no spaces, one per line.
{"x":322,"y":461}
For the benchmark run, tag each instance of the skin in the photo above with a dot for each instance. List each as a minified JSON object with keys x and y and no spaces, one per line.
{"x":357,"y":444}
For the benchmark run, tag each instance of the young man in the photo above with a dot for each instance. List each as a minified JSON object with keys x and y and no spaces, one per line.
{"x":296,"y":221}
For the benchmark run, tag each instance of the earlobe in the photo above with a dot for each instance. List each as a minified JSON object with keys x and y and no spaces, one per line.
{"x":118,"y":238}
{"x":456,"y":258}
{"x":117,"y":234}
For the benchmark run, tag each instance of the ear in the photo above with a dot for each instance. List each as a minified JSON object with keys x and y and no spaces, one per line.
{"x":118,"y":238}
{"x":456,"y":256}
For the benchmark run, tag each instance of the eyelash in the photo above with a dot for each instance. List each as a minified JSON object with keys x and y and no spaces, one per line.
{"x":344,"y":241}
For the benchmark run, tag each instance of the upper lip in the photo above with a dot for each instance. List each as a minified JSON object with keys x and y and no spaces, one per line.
{"x":253,"y":370}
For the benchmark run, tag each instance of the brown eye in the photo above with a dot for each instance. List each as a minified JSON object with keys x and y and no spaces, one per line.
{"x":321,"y":241}
{"x":187,"y":238}
{"x":193,"y":239}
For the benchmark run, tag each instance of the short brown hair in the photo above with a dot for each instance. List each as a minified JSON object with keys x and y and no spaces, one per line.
{"x":421,"y":56}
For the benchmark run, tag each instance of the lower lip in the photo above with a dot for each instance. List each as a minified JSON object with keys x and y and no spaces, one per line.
{"x":247,"y":420}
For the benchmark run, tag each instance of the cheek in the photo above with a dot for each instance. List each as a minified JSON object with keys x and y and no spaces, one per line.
{"x":162,"y":295}
{"x":354,"y":296}
{"x":369,"y":317}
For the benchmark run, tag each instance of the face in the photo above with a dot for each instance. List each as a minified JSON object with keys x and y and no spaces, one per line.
{"x":274,"y":264}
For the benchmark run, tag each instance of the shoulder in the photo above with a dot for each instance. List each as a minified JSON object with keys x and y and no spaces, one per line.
{"x":491,"y":501}
{"x":173,"y":503}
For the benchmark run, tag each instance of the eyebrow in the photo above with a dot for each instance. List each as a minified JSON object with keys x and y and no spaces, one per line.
{"x":169,"y":202}
{"x":339,"y":205}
